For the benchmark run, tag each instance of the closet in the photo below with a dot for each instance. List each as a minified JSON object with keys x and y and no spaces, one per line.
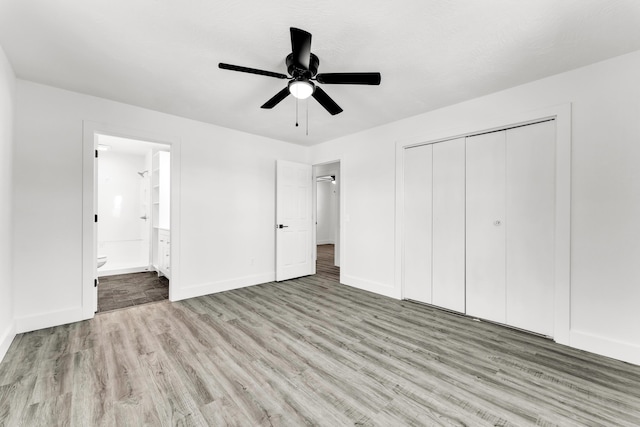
{"x":478,"y":225}
{"x":434,"y":224}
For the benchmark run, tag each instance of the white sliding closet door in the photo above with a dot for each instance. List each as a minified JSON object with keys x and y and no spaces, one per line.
{"x":448,"y":286}
{"x":417,"y":223}
{"x":485,"y":233}
{"x":530,"y":196}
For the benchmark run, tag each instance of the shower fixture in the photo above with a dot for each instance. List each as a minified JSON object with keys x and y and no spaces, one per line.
{"x":142,"y":173}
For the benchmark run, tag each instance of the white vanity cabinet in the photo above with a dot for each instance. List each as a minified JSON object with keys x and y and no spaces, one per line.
{"x":164,"y":252}
{"x":161,"y":196}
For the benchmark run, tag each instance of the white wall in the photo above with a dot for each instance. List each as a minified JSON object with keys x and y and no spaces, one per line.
{"x":605,"y":206}
{"x":327,"y":206}
{"x":123,"y":197}
{"x":7,"y":101}
{"x":227,"y":205}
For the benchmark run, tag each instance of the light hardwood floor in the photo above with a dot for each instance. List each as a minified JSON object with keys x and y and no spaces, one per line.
{"x":305,"y":352}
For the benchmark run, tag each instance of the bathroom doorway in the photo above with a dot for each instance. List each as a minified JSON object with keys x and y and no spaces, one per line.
{"x":132,"y":195}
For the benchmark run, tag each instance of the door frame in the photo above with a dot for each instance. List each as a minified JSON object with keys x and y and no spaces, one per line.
{"x":315,"y":210}
{"x":562,"y":116}
{"x":341,"y":209}
{"x":89,"y":244}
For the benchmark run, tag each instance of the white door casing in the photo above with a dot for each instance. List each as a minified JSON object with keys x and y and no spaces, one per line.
{"x":95,"y":225}
{"x":294,"y":220}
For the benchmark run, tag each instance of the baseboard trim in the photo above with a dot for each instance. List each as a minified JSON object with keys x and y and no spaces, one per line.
{"x":128,"y":270}
{"x":6,"y":339}
{"x":625,"y":351}
{"x":370,"y":286}
{"x":47,"y":320}
{"x":223,"y":285}
{"x":325,"y":242}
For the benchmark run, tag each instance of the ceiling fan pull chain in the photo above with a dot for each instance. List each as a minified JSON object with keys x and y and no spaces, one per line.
{"x":307,"y":116}
{"x":296,"y":112}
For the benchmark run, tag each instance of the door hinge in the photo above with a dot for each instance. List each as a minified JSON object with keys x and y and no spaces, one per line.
{"x":95,"y":283}
{"x":96,"y":218}
{"x":96,"y":154}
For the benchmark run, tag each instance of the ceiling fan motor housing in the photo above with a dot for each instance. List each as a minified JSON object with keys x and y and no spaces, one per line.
{"x":298,"y":70}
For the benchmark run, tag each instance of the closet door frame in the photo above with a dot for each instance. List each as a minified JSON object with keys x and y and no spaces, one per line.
{"x":469,"y":127}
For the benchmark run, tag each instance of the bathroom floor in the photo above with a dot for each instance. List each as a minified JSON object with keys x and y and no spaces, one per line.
{"x":126,"y":290}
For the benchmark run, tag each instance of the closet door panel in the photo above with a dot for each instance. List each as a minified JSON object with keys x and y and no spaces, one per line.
{"x":417,"y":223}
{"x":530,"y":208}
{"x":485,"y":233}
{"x":448,"y":287}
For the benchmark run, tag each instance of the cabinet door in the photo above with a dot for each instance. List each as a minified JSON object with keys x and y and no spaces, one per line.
{"x":417,"y":235}
{"x":485,"y":219}
{"x":449,"y":225}
{"x":530,"y":197}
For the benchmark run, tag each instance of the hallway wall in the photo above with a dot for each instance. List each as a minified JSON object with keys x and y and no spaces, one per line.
{"x":7,"y":106}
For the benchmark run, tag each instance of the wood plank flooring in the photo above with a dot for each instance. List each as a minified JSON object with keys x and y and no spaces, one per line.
{"x":305,"y":352}
{"x":324,"y":264}
{"x":126,"y":290}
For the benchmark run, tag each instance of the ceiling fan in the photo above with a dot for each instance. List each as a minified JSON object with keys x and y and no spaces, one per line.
{"x":302,"y":66}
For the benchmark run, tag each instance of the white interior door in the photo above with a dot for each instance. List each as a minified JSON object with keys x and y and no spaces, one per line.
{"x":294,"y":220}
{"x":448,"y":225}
{"x":530,"y":207}
{"x":486,"y":222}
{"x":417,"y":223}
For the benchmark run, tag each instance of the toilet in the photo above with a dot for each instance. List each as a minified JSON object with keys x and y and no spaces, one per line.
{"x":102,"y":260}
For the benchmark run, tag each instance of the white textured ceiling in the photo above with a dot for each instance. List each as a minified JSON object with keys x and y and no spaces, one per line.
{"x":164,"y":55}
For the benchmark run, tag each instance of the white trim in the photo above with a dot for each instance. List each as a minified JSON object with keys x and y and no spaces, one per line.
{"x":370,"y":286}
{"x":325,"y":242}
{"x":562,"y":115}
{"x":127,"y":270}
{"x":6,"y":339}
{"x":342,"y":229}
{"x":224,"y":285}
{"x":314,"y":218}
{"x":627,"y":352}
{"x":50,"y":319}
{"x":89,"y":130}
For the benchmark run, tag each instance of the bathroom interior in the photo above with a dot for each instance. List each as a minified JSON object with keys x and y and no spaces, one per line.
{"x":133,"y":231}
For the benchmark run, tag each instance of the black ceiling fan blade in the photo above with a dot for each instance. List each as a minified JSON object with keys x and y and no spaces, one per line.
{"x":276,"y":99}
{"x":252,"y":71}
{"x":349,"y":78}
{"x":301,"y":47}
{"x":326,"y":101}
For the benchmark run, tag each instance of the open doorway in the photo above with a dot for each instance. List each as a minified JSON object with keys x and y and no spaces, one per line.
{"x":132,"y":197}
{"x":327,"y":215}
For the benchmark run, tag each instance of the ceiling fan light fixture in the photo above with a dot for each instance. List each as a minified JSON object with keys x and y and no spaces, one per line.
{"x":301,"y":89}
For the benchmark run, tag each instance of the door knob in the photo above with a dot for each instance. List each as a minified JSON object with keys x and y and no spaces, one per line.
{"x":282,"y":226}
